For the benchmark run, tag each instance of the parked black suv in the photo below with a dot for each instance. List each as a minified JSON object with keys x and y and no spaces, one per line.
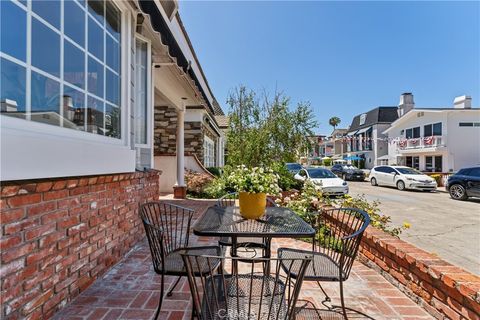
{"x":465,"y":183}
{"x":348,"y":172}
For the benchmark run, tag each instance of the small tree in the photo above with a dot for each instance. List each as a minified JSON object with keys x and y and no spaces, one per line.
{"x":334,"y":122}
{"x":264,"y":130}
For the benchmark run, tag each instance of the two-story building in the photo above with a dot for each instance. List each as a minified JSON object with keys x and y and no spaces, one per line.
{"x":339,"y":143}
{"x":435,"y":139}
{"x":365,"y":137}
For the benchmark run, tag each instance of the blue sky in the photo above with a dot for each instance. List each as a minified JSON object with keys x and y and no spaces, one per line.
{"x":344,"y":58}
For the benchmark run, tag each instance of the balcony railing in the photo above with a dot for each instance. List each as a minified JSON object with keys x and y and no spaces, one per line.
{"x":421,"y":143}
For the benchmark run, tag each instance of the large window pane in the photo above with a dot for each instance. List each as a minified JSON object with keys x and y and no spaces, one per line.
{"x":45,"y":99}
{"x":48,"y":10}
{"x":113,"y":54}
{"x":437,"y":129}
{"x":113,"y":88}
{"x":427,"y":130}
{"x":13,"y":18}
{"x":74,"y":22}
{"x":112,"y":121}
{"x":95,"y":77}
{"x":95,"y":114}
{"x":95,"y":39}
{"x":74,"y":65}
{"x":113,"y":20}
{"x":141,"y":96}
{"x":73,"y":108}
{"x":45,"y":48}
{"x":97,"y":9}
{"x":12,"y":93}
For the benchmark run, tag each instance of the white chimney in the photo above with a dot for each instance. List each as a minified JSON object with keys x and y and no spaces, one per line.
{"x":462,"y":102}
{"x":406,"y":103}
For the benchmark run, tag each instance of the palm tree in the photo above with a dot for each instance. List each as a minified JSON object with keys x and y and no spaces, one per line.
{"x":334,"y":122}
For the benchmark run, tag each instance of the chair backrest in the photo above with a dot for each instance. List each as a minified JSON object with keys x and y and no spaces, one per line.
{"x":229,"y":199}
{"x":339,"y":232}
{"x":167,"y":227}
{"x":247,"y":293}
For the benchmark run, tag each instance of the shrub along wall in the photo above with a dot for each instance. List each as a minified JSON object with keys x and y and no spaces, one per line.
{"x":443,"y":289}
{"x":58,"y":236}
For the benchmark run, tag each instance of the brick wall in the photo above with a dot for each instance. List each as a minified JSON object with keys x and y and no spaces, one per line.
{"x":59,"y":235}
{"x":444,"y":290}
{"x":165,"y":129}
{"x":194,"y":139}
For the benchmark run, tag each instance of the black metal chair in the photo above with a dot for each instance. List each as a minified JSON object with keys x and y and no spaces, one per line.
{"x":229,"y":200}
{"x":244,"y":295}
{"x":168,"y":231}
{"x":335,"y":247}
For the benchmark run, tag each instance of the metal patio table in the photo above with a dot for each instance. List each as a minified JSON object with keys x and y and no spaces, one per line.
{"x":277,"y":222}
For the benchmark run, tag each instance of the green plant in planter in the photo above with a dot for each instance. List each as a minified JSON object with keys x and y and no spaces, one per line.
{"x":253,"y":180}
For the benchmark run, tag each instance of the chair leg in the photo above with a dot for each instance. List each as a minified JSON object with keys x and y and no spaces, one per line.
{"x":162,"y":288}
{"x":343,"y":302}
{"x":327,"y":298}
{"x":169,"y":293}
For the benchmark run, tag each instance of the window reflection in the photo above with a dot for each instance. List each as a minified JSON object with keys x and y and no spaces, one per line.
{"x":113,"y":88}
{"x":45,"y":99}
{"x":74,"y":22}
{"x":113,"y":54}
{"x":86,"y":94}
{"x":45,"y":48}
{"x":95,"y":39}
{"x":95,"y":113}
{"x":112,"y":121}
{"x":13,"y":18}
{"x":12,"y":88}
{"x":97,"y":9}
{"x":95,"y":77}
{"x":73,"y":108}
{"x":74,"y":65}
{"x":48,"y":10}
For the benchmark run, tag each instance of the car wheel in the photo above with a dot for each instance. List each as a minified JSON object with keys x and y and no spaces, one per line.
{"x":457,"y":192}
{"x":373,"y":181}
{"x":401,"y":185}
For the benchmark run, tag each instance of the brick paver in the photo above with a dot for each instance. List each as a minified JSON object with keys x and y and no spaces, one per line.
{"x":130,"y":290}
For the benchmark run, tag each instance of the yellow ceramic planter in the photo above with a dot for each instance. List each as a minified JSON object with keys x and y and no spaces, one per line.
{"x":252,"y":205}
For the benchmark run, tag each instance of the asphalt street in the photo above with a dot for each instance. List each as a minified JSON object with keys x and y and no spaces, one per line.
{"x":439,"y":224}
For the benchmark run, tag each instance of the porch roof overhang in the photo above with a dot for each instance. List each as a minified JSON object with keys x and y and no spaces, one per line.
{"x":167,"y":39}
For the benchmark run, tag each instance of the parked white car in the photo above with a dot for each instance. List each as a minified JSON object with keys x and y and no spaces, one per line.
{"x":324,"y":179}
{"x":401,"y":177}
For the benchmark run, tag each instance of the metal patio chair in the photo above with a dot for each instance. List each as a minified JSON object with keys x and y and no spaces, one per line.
{"x":335,"y":247}
{"x":229,"y":200}
{"x":247,"y":294}
{"x":168,"y":230}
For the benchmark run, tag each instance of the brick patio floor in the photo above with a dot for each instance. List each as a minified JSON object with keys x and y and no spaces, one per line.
{"x":130,"y":290}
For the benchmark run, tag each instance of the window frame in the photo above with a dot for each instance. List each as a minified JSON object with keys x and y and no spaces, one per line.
{"x":208,"y":147}
{"x":54,"y":130}
{"x":150,"y":99}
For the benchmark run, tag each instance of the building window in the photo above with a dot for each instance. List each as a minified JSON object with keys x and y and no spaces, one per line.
{"x":208,"y":152}
{"x":469,"y":124}
{"x":433,"y":163}
{"x":412,"y":133}
{"x":141,"y":89}
{"x":432,"y":129}
{"x":413,"y":162}
{"x":71,"y":76}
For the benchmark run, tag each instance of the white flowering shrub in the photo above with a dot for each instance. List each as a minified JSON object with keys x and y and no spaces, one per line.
{"x":253,"y":180}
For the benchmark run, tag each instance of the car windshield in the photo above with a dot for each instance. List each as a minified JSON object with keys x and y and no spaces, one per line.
{"x":293,"y":166}
{"x":320,"y":174}
{"x":408,"y":171}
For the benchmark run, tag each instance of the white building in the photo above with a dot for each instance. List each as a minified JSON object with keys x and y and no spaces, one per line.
{"x":435,"y":139}
{"x":82,"y":83}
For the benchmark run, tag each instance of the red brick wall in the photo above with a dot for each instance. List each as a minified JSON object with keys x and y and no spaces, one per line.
{"x":58,"y":236}
{"x":440,"y":287}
